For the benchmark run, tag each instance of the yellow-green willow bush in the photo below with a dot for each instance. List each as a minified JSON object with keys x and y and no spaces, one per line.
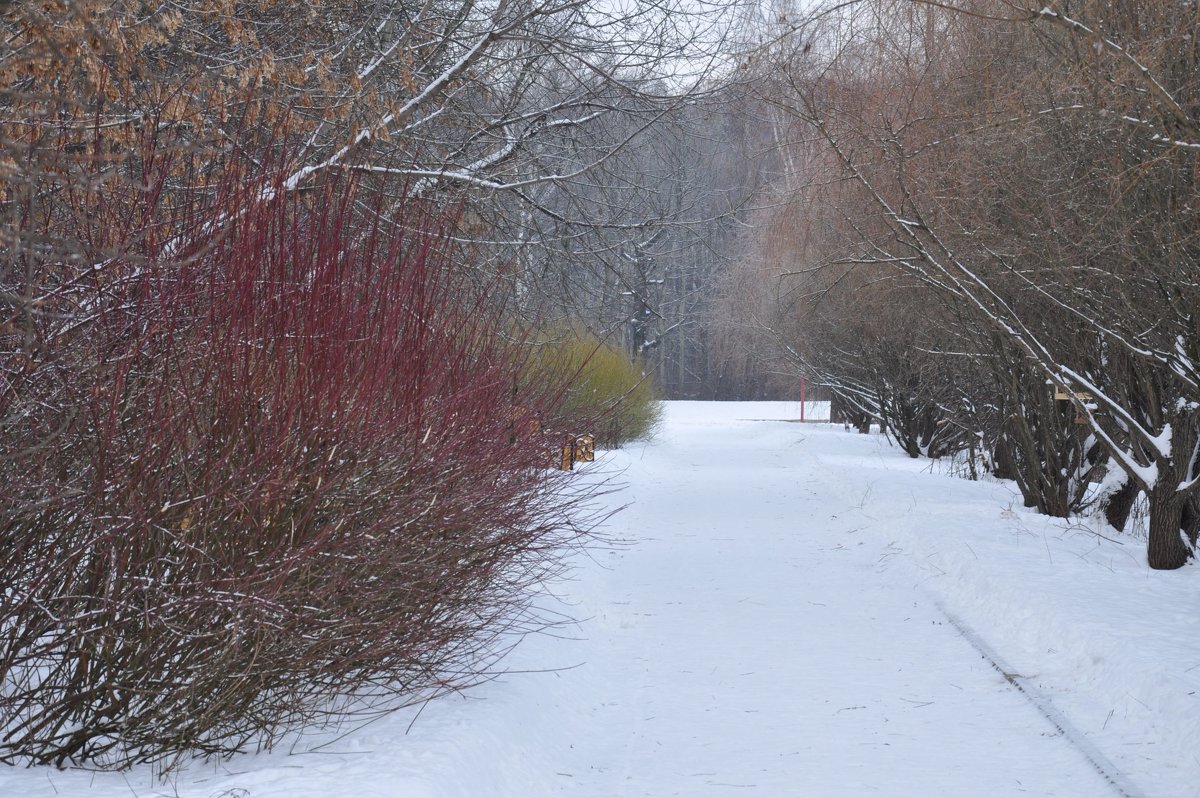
{"x":610,"y":395}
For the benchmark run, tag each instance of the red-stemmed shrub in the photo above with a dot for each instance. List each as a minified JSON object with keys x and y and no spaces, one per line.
{"x":269,"y":466}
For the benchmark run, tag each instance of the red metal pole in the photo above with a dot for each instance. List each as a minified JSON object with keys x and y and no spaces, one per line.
{"x":802,"y":386}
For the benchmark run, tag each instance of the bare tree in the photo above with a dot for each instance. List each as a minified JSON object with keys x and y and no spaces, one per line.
{"x":1046,"y":194}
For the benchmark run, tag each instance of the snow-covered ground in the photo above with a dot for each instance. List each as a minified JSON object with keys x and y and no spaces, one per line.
{"x":792,"y":611}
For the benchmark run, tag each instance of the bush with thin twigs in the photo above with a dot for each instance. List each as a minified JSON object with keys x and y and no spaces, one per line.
{"x":608,"y":394}
{"x":260,"y":473}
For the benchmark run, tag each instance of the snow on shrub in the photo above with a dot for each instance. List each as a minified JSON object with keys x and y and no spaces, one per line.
{"x":259,"y":473}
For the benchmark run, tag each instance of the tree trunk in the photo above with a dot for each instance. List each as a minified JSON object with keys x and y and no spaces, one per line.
{"x":1002,"y":459}
{"x":1118,"y":505}
{"x":1167,"y":550}
{"x":1190,"y":518}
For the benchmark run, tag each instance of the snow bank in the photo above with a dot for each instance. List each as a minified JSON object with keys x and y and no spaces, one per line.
{"x":1072,"y":606}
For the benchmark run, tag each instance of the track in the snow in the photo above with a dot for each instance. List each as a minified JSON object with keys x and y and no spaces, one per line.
{"x":1045,"y":707}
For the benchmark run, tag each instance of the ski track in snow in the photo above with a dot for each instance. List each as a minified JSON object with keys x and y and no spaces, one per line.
{"x":768,"y":623}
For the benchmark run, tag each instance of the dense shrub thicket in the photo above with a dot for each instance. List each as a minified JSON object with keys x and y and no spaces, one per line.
{"x":260,"y":471}
{"x":985,"y":242}
{"x":608,"y":394}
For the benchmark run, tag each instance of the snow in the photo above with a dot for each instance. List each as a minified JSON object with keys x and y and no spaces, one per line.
{"x":1162,"y":442}
{"x":790,"y":610}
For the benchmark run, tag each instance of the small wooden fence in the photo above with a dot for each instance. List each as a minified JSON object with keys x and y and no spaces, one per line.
{"x":575,"y":449}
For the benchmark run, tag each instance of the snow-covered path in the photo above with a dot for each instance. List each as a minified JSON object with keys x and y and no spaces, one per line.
{"x":770,"y":626}
{"x":752,"y":641}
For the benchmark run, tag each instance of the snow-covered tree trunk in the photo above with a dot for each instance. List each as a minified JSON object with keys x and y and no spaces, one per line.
{"x":1167,"y":548}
